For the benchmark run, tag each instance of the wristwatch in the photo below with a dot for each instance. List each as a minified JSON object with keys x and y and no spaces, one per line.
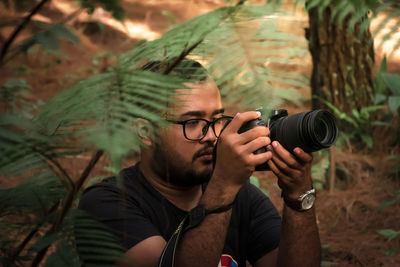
{"x":302,"y":203}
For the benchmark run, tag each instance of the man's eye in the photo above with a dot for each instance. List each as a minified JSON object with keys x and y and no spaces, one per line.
{"x":218,"y":120}
{"x":192,"y":123}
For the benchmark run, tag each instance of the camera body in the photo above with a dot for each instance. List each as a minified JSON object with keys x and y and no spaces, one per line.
{"x":311,"y":131}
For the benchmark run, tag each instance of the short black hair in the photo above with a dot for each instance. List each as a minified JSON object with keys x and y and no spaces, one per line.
{"x":187,"y":69}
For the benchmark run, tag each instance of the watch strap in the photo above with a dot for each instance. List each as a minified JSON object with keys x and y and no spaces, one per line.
{"x":296,"y":204}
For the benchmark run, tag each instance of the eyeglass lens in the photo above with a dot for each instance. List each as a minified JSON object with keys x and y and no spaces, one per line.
{"x":196,"y":129}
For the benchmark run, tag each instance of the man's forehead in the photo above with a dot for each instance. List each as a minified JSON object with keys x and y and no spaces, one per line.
{"x":197,"y":100}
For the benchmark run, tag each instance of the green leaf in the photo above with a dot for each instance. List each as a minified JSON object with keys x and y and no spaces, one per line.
{"x":394,"y":103}
{"x":368,"y":140}
{"x":44,"y":242}
{"x":385,"y":205}
{"x":393,"y":82}
{"x":48,"y":41}
{"x":393,"y":157}
{"x":328,"y":263}
{"x":62,"y":32}
{"x":380,"y":98}
{"x":254,"y":181}
{"x":94,"y":240}
{"x":94,"y":180}
{"x":391,"y":252}
{"x":266,"y":192}
{"x":319,"y":170}
{"x":395,"y":171}
{"x":64,"y":256}
{"x":389,"y":233}
{"x":326,"y":246}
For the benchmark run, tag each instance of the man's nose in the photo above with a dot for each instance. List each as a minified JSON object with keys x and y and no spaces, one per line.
{"x":209,"y":137}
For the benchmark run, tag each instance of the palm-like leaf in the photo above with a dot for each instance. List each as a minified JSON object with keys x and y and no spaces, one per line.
{"x":237,"y":44}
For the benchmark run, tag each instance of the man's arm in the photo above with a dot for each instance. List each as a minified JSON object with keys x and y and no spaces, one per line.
{"x":203,"y":245}
{"x":300,"y":244}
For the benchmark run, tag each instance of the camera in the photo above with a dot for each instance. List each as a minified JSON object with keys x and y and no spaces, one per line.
{"x":311,"y":131}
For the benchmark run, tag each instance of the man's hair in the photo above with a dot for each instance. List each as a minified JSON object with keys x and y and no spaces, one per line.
{"x":187,"y":69}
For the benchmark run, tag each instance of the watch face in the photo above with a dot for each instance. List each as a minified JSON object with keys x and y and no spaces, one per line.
{"x":307,"y":201}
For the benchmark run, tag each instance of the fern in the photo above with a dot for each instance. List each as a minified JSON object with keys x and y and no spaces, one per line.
{"x":242,"y":48}
{"x":101,"y":113}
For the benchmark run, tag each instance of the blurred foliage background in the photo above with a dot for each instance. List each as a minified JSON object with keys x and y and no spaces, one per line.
{"x":72,"y":90}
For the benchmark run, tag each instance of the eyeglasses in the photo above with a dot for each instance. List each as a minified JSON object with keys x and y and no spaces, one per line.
{"x":196,"y":129}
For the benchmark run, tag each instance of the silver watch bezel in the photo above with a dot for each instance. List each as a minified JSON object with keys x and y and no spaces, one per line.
{"x":304,"y":197}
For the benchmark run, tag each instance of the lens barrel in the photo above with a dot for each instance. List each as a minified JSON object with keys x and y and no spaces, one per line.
{"x":311,"y":131}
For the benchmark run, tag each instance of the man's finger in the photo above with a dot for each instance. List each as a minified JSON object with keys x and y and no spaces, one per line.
{"x":285,"y":155}
{"x":261,"y":158}
{"x":241,"y":118}
{"x":303,"y":156}
{"x":259,"y":142}
{"x":281,"y":175}
{"x":256,"y":132}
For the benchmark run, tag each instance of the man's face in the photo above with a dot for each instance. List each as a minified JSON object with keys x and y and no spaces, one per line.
{"x":181,"y":161}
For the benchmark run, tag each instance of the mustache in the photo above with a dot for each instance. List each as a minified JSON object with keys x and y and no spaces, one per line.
{"x":204,"y":151}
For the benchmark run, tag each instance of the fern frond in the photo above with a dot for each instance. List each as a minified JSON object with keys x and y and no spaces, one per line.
{"x":94,"y":241}
{"x":104,"y":110}
{"x":234,"y":42}
{"x":35,"y":195}
{"x":243,"y":55}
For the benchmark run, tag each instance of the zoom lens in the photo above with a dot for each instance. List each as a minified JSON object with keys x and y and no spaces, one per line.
{"x":310,"y":131}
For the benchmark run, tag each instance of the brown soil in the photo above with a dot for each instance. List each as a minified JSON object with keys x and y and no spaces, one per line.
{"x":348,"y":218}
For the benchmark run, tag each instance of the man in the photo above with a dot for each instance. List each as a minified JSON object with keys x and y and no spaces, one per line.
{"x":176,"y":175}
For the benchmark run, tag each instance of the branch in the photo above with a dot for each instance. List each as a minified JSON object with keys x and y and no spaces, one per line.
{"x":68,"y":18}
{"x":27,"y":19}
{"x":68,"y":203}
{"x":59,"y":168}
{"x":76,"y":188}
{"x":181,"y":57}
{"x":19,"y":249}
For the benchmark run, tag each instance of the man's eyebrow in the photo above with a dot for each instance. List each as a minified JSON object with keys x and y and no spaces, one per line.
{"x":197,"y":113}
{"x":218,"y":111}
{"x":193,"y":113}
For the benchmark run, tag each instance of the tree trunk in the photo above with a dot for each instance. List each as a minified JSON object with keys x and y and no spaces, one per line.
{"x":342,"y":63}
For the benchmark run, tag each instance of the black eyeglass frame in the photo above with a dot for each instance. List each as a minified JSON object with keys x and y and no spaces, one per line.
{"x":207,"y":126}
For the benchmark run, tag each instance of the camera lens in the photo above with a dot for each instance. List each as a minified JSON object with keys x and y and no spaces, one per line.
{"x":321,"y":130}
{"x":310,"y":131}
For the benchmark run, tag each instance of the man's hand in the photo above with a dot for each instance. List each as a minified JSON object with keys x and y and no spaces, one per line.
{"x":235,"y":159}
{"x":293,"y":171}
{"x":300,"y":244}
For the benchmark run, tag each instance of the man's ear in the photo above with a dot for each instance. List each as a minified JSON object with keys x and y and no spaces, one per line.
{"x":145,"y":131}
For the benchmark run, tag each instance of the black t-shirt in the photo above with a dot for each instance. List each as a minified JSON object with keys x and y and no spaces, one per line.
{"x":136,"y":211}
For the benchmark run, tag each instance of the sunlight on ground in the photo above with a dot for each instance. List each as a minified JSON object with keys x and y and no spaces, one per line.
{"x":136,"y":30}
{"x":132,"y":29}
{"x":387,"y":47}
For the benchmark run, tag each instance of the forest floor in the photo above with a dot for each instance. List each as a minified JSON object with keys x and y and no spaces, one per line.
{"x":348,"y":217}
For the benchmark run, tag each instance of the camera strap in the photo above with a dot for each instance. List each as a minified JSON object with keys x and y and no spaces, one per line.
{"x":167,"y":258}
{"x":191,"y":220}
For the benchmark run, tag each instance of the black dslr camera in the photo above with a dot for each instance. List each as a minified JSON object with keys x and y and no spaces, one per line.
{"x":311,"y":131}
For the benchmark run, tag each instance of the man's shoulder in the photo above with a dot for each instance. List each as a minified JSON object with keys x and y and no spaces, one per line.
{"x":127,"y":181}
{"x":126,"y":177}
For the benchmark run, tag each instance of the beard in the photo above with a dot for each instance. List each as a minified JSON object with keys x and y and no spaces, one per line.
{"x":171,"y":169}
